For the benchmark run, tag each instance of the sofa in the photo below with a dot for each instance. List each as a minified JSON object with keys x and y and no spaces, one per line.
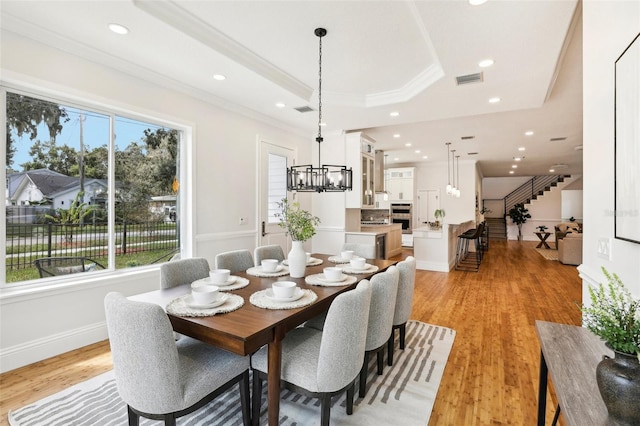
{"x":570,"y":249}
{"x":564,"y":228}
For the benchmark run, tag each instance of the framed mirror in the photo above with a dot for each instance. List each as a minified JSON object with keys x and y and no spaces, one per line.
{"x":627,"y":144}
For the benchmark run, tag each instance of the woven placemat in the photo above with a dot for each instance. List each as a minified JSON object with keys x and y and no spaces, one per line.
{"x":240,"y":282}
{"x":260,"y":299}
{"x":257,"y":271}
{"x":180,"y":308}
{"x":318,"y":279}
{"x":312,"y":262}
{"x":347,"y":269}
{"x":338,"y":259}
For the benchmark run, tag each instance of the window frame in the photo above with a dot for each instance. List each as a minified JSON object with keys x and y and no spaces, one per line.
{"x":185,"y":176}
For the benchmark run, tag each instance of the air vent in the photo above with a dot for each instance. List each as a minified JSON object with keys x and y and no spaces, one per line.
{"x":469,"y":78}
{"x":560,"y":166}
{"x":304,"y":109}
{"x":557,"y":139}
{"x":472,"y":153}
{"x":466,"y":138}
{"x":578,"y":148}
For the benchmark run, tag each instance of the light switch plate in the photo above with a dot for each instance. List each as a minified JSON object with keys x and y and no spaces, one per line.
{"x":604,"y":248}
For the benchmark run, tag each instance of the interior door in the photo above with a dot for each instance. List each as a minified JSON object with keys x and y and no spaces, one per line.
{"x":274,"y":161}
{"x":428,"y":202}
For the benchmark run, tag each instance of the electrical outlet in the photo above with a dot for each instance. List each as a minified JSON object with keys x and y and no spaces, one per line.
{"x":243,"y":220}
{"x":604,"y":248}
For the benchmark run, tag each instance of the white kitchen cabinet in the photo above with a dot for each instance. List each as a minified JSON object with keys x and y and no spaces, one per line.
{"x":400,"y":183}
{"x":360,"y":155}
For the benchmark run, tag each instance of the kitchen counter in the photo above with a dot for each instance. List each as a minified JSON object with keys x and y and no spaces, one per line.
{"x":393,"y":241}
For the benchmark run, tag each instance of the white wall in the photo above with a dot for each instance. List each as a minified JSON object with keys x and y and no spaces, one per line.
{"x":608,"y":28}
{"x":36,"y":324}
{"x":434,"y":176}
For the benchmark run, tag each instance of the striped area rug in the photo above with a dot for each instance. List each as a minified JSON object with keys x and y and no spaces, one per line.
{"x":404,"y":394}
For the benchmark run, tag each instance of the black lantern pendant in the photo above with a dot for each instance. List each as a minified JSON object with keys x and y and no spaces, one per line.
{"x":324,"y":178}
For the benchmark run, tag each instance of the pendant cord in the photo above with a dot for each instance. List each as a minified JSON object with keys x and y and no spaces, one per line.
{"x":319,"y":138}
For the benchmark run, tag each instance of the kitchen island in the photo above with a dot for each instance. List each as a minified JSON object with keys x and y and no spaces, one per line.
{"x":369,"y":234}
{"x":435,"y":249}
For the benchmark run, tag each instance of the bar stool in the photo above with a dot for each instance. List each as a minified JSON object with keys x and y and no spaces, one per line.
{"x":463,"y":260}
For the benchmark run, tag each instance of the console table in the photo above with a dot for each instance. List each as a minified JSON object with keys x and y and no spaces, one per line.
{"x":570,"y":355}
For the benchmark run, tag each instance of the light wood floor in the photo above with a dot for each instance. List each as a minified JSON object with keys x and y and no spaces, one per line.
{"x":492,"y":374}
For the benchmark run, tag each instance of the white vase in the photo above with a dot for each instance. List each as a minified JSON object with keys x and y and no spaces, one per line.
{"x":297,"y":260}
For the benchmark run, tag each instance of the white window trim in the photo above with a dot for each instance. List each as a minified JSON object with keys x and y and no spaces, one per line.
{"x":91,"y":102}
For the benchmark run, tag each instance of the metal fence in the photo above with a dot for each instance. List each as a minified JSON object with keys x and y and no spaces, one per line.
{"x":27,"y":242}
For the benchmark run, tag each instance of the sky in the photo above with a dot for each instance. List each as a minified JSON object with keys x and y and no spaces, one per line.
{"x":95,"y":133}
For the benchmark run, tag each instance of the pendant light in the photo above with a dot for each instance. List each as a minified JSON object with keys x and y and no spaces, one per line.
{"x":324,"y":178}
{"x":449,"y":187}
{"x":457,"y":193}
{"x":453,"y":173}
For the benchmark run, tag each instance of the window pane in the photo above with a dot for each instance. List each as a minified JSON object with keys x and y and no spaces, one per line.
{"x":57,"y":214}
{"x":277,"y":185}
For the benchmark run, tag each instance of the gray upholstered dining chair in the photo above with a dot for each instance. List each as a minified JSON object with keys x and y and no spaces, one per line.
{"x":185,"y":271}
{"x":404,"y":303}
{"x":321,"y":364}
{"x":159,"y":378}
{"x":368,"y":251}
{"x":268,"y":252}
{"x":235,"y":260}
{"x":384,"y":288}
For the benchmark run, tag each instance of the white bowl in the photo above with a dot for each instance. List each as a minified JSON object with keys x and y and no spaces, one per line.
{"x":332,"y":273}
{"x":204,"y":294}
{"x":308,"y":257}
{"x":283,"y":289}
{"x":219,"y":276}
{"x":358,"y":263}
{"x":346,"y":254}
{"x":269,"y":265}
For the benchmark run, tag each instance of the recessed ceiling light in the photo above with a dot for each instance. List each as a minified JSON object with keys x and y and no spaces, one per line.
{"x":407,"y":144}
{"x":485,"y":63}
{"x":118,"y":29}
{"x":494,"y":100}
{"x":281,"y":104}
{"x":219,"y":77}
{"x":396,"y":159}
{"x":394,"y":114}
{"x":522,"y":148}
{"x":517,"y":158}
{"x":514,"y":166}
{"x":511,"y":172}
{"x":551,"y":170}
{"x":417,"y":151}
{"x":528,"y":133}
{"x":397,"y":135}
{"x":424,"y":157}
{"x":323,"y":124}
{"x":477,"y":2}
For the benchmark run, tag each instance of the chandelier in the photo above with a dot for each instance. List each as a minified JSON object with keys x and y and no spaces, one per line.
{"x":324,"y":178}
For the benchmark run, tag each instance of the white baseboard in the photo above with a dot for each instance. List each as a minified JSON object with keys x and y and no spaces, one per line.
{"x":432,"y":266}
{"x":37,"y":350}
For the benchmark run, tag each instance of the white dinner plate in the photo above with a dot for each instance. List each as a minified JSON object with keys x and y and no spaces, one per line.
{"x":222,"y":297}
{"x":324,"y":279}
{"x":209,"y":281}
{"x":366,"y":266}
{"x":278,"y":269}
{"x":298,"y":293}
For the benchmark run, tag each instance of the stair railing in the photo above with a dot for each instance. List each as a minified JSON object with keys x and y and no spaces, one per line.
{"x":530,"y":190}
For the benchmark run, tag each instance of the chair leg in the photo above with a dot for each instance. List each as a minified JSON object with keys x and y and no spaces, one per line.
{"x":380,"y":359}
{"x":325,"y":409}
{"x":170,"y":420}
{"x":244,"y":398}
{"x":390,"y":348}
{"x":403,"y":334}
{"x":351,"y":390}
{"x":134,"y":418}
{"x":257,"y":399}
{"x":363,"y":376}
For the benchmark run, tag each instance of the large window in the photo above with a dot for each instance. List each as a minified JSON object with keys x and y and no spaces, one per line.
{"x":86,"y":190}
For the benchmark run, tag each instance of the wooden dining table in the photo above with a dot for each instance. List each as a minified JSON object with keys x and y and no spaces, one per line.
{"x":248,"y":328}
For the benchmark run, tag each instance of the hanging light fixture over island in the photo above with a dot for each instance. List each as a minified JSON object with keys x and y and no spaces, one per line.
{"x":324,"y":178}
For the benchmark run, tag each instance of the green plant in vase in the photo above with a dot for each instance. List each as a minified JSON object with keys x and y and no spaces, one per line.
{"x":438,"y":214}
{"x":300,"y":225}
{"x":541,"y":228}
{"x":519,"y":215}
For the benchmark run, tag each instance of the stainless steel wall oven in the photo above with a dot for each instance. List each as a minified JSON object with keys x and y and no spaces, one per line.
{"x":402,"y":213}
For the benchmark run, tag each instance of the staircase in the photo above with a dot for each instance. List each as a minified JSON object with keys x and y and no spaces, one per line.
{"x":497,"y":227}
{"x":531,"y":190}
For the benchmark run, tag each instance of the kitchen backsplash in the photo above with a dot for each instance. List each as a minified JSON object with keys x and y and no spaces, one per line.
{"x":374,"y":214}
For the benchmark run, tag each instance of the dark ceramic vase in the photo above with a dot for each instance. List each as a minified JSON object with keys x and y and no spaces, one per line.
{"x":619,"y":384}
